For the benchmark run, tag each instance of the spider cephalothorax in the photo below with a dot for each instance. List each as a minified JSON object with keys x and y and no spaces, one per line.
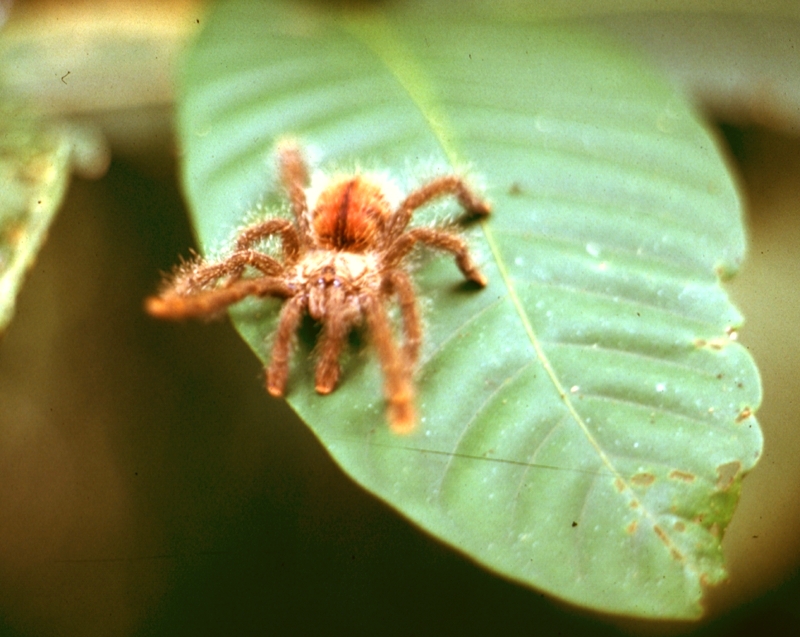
{"x":342,"y":262}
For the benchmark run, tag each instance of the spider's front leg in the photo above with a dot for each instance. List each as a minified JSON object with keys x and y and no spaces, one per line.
{"x":289,"y":238}
{"x":288,"y":323}
{"x":398,"y":387}
{"x":190,"y":293}
{"x":335,"y":328}
{"x":399,"y":283}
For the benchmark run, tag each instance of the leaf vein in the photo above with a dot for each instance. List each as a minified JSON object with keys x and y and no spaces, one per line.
{"x":506,"y":381}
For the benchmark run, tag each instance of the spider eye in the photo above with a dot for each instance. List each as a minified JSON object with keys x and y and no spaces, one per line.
{"x":337,"y":283}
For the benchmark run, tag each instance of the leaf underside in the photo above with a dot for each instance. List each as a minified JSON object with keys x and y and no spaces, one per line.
{"x":586,"y":420}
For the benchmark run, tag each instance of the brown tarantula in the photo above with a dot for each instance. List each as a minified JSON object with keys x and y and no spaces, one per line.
{"x":342,"y":263}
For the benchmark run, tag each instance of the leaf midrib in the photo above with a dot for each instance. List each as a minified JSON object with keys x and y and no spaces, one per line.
{"x":373,"y":31}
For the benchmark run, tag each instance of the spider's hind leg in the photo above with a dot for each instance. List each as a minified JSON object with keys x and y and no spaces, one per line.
{"x":293,"y":172}
{"x":441,"y":240}
{"x":400,"y":284}
{"x":439,"y":187}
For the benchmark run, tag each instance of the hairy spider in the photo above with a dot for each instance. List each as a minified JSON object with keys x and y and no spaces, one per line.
{"x":342,"y":262}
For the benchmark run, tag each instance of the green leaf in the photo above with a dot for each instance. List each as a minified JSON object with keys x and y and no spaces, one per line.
{"x":36,"y":156}
{"x":586,"y":420}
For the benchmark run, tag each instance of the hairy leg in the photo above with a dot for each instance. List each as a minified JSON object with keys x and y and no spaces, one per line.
{"x":397,"y":385}
{"x":291,"y":242}
{"x":438,"y":187}
{"x":201,"y":276}
{"x":400,"y":284}
{"x":289,"y":321}
{"x":171,"y":305}
{"x":443,"y":241}
{"x":334,"y":333}
{"x":294,"y":176}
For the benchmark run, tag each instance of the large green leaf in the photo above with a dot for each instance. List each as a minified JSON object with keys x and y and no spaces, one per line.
{"x":586,"y":420}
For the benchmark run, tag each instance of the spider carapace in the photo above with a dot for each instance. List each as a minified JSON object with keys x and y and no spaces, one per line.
{"x":342,"y":262}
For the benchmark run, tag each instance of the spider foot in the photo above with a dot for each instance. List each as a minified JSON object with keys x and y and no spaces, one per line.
{"x":327,"y":378}
{"x":470,"y":270}
{"x":476,"y":207}
{"x":174,"y":307}
{"x":402,"y":416}
{"x":276,"y":381}
{"x":158,"y":307}
{"x":478,"y":277}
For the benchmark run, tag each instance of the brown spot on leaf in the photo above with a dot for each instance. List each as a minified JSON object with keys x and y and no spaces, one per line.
{"x":715,"y":344}
{"x":744,"y":414}
{"x":631,"y":528}
{"x":676,"y":554}
{"x":620,"y":485}
{"x":726,"y":474}
{"x":685,"y":476}
{"x":680,"y":527}
{"x":643,"y":479}
{"x":515,"y":189}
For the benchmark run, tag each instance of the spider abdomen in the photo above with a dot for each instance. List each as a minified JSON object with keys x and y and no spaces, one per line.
{"x":349,"y":214}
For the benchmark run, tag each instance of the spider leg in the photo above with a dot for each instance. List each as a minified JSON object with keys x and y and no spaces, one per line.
{"x":202,"y":275}
{"x":288,"y":323}
{"x":176,"y":306}
{"x":291,"y":241}
{"x":397,"y":385}
{"x":189,"y":293}
{"x":441,"y":240}
{"x":294,"y":176}
{"x":401,"y":285}
{"x":334,"y":333}
{"x":438,"y":187}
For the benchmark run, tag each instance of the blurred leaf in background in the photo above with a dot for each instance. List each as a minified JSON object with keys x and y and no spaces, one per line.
{"x":36,"y":158}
